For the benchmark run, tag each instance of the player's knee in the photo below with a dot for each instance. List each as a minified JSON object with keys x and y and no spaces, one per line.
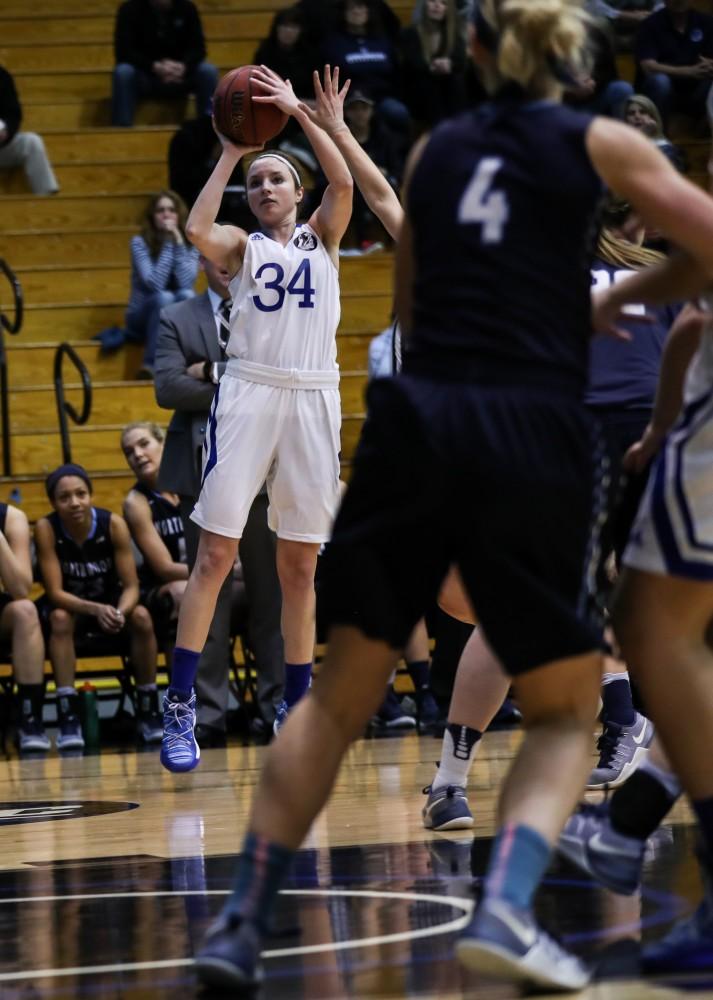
{"x":140,"y":620}
{"x":23,"y":615}
{"x":61,"y":622}
{"x":296,"y":574}
{"x":213,"y":562}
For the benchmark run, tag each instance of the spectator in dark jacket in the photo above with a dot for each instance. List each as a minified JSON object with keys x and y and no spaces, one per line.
{"x":160,"y":52}
{"x":600,"y":90}
{"x":674,"y":50}
{"x":433,"y":62}
{"x":22,"y":149}
{"x":288,"y":52}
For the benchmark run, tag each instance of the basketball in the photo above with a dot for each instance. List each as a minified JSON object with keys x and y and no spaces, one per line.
{"x":238,"y":117}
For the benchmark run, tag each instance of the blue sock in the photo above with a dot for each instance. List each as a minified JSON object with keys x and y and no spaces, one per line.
{"x":297,"y":678}
{"x":518,"y":860}
{"x":419,"y":672}
{"x":262,"y":868}
{"x":617,"y":702}
{"x":183,"y":672}
{"x":704,"y":811}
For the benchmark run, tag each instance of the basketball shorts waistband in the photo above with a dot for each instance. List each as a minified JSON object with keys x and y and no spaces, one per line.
{"x":282,"y":378}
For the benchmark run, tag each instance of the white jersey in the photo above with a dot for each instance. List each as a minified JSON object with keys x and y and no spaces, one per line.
{"x":699,"y":377}
{"x":286,"y":304}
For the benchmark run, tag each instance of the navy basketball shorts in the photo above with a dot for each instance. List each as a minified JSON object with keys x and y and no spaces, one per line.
{"x":501,"y":482}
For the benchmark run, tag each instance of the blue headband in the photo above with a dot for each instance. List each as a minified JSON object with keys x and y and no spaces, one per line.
{"x":70,"y":469}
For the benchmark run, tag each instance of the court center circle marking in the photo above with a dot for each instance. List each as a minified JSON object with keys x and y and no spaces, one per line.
{"x":465,"y":906}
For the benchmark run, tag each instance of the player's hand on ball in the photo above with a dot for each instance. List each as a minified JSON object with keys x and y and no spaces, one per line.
{"x":234,"y":147}
{"x":276,"y":91}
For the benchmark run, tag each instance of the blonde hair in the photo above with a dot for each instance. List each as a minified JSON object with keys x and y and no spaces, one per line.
{"x":612,"y":247}
{"x":539,"y":41}
{"x":143,"y":425}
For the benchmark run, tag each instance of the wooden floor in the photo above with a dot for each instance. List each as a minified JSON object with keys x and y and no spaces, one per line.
{"x":111,"y":868}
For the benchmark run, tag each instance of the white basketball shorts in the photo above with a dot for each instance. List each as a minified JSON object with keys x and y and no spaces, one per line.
{"x":673,"y":531}
{"x":282,"y":435}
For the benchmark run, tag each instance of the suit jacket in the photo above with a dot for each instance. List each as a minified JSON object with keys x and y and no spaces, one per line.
{"x":187,"y":334}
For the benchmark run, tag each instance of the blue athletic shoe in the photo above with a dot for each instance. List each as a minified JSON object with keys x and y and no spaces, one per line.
{"x":688,"y":947}
{"x":281,"y":713}
{"x":179,"y":749}
{"x":589,"y":842}
{"x":230,"y":955}
{"x":506,"y":942}
{"x":446,"y":808}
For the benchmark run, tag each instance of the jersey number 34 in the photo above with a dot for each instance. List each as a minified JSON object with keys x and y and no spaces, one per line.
{"x":482,"y":204}
{"x":300,"y":284}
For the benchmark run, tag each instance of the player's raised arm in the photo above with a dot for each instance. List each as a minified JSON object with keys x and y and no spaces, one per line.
{"x":328,"y":114}
{"x":332,"y":217}
{"x":224,"y":245}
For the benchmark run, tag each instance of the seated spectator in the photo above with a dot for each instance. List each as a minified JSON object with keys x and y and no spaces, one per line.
{"x":163,"y":270}
{"x":20,"y":627}
{"x":288,"y":51}
{"x":599,"y":90}
{"x":642,"y":114}
{"x":381,"y":146}
{"x":365,"y":54}
{"x":674,"y":51}
{"x":624,"y":16}
{"x":160,"y":52}
{"x":154,"y":520}
{"x":433,"y":63}
{"x":91,"y":589}
{"x":22,"y":149}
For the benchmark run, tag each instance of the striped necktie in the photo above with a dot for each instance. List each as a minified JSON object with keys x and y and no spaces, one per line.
{"x":224,"y":318}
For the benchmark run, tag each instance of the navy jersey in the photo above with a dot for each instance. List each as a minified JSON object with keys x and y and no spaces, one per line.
{"x":624,"y":374}
{"x":89,"y":569}
{"x":167,"y":521}
{"x":503,"y":204}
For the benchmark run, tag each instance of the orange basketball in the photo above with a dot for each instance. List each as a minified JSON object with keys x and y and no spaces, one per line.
{"x":238,"y":117}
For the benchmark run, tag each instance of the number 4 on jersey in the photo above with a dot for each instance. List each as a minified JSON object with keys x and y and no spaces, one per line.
{"x":480,"y":203}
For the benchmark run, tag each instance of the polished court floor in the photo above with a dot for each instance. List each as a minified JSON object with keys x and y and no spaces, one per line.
{"x":111,"y":868}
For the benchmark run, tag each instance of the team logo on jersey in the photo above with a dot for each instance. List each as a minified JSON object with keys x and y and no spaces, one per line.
{"x":14,"y":813}
{"x":305,"y":241}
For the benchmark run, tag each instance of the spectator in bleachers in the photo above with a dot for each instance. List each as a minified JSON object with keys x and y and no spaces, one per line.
{"x":364,"y":53}
{"x":381,"y":146}
{"x":433,"y":63}
{"x":288,"y":52}
{"x":164,"y":267}
{"x":600,"y":90}
{"x":674,"y":51}
{"x":624,"y":16}
{"x":641,"y":113}
{"x":159,"y":51}
{"x":91,"y":589}
{"x":20,"y":627}
{"x":22,"y":149}
{"x":190,"y":360}
{"x":156,"y":526}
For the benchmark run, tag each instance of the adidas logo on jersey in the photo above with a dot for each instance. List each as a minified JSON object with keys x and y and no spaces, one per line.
{"x":257,"y":236}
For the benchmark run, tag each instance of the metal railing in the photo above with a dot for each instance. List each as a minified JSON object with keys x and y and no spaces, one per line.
{"x":13,"y":326}
{"x":65,"y":409}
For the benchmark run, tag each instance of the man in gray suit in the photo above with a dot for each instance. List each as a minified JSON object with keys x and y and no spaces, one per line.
{"x":190,"y":359}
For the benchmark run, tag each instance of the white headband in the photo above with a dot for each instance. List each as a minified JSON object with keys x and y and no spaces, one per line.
{"x":282,"y":159}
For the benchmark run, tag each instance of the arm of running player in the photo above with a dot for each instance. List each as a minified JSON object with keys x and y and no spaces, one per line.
{"x":681,"y":344}
{"x":331,"y":219}
{"x":125,"y":566}
{"x":52,"y":576}
{"x":328,"y":115}
{"x":633,"y":167}
{"x":224,"y":245}
{"x":404,"y":273}
{"x":15,"y":560}
{"x":137,"y":515}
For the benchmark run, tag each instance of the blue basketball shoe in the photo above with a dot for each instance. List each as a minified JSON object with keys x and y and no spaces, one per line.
{"x":230,"y":955}
{"x":506,"y":942}
{"x":590,"y":842}
{"x":688,"y":947}
{"x":446,"y":808}
{"x":179,"y":749}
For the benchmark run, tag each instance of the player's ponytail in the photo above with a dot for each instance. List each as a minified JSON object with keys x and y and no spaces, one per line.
{"x":536,"y":40}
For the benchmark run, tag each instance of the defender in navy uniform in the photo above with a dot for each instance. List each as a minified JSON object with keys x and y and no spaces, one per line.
{"x":156,"y":526}
{"x":91,"y":587}
{"x":480,"y":453}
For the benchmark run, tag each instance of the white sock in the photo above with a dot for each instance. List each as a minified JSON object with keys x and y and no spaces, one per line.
{"x":457,"y":754}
